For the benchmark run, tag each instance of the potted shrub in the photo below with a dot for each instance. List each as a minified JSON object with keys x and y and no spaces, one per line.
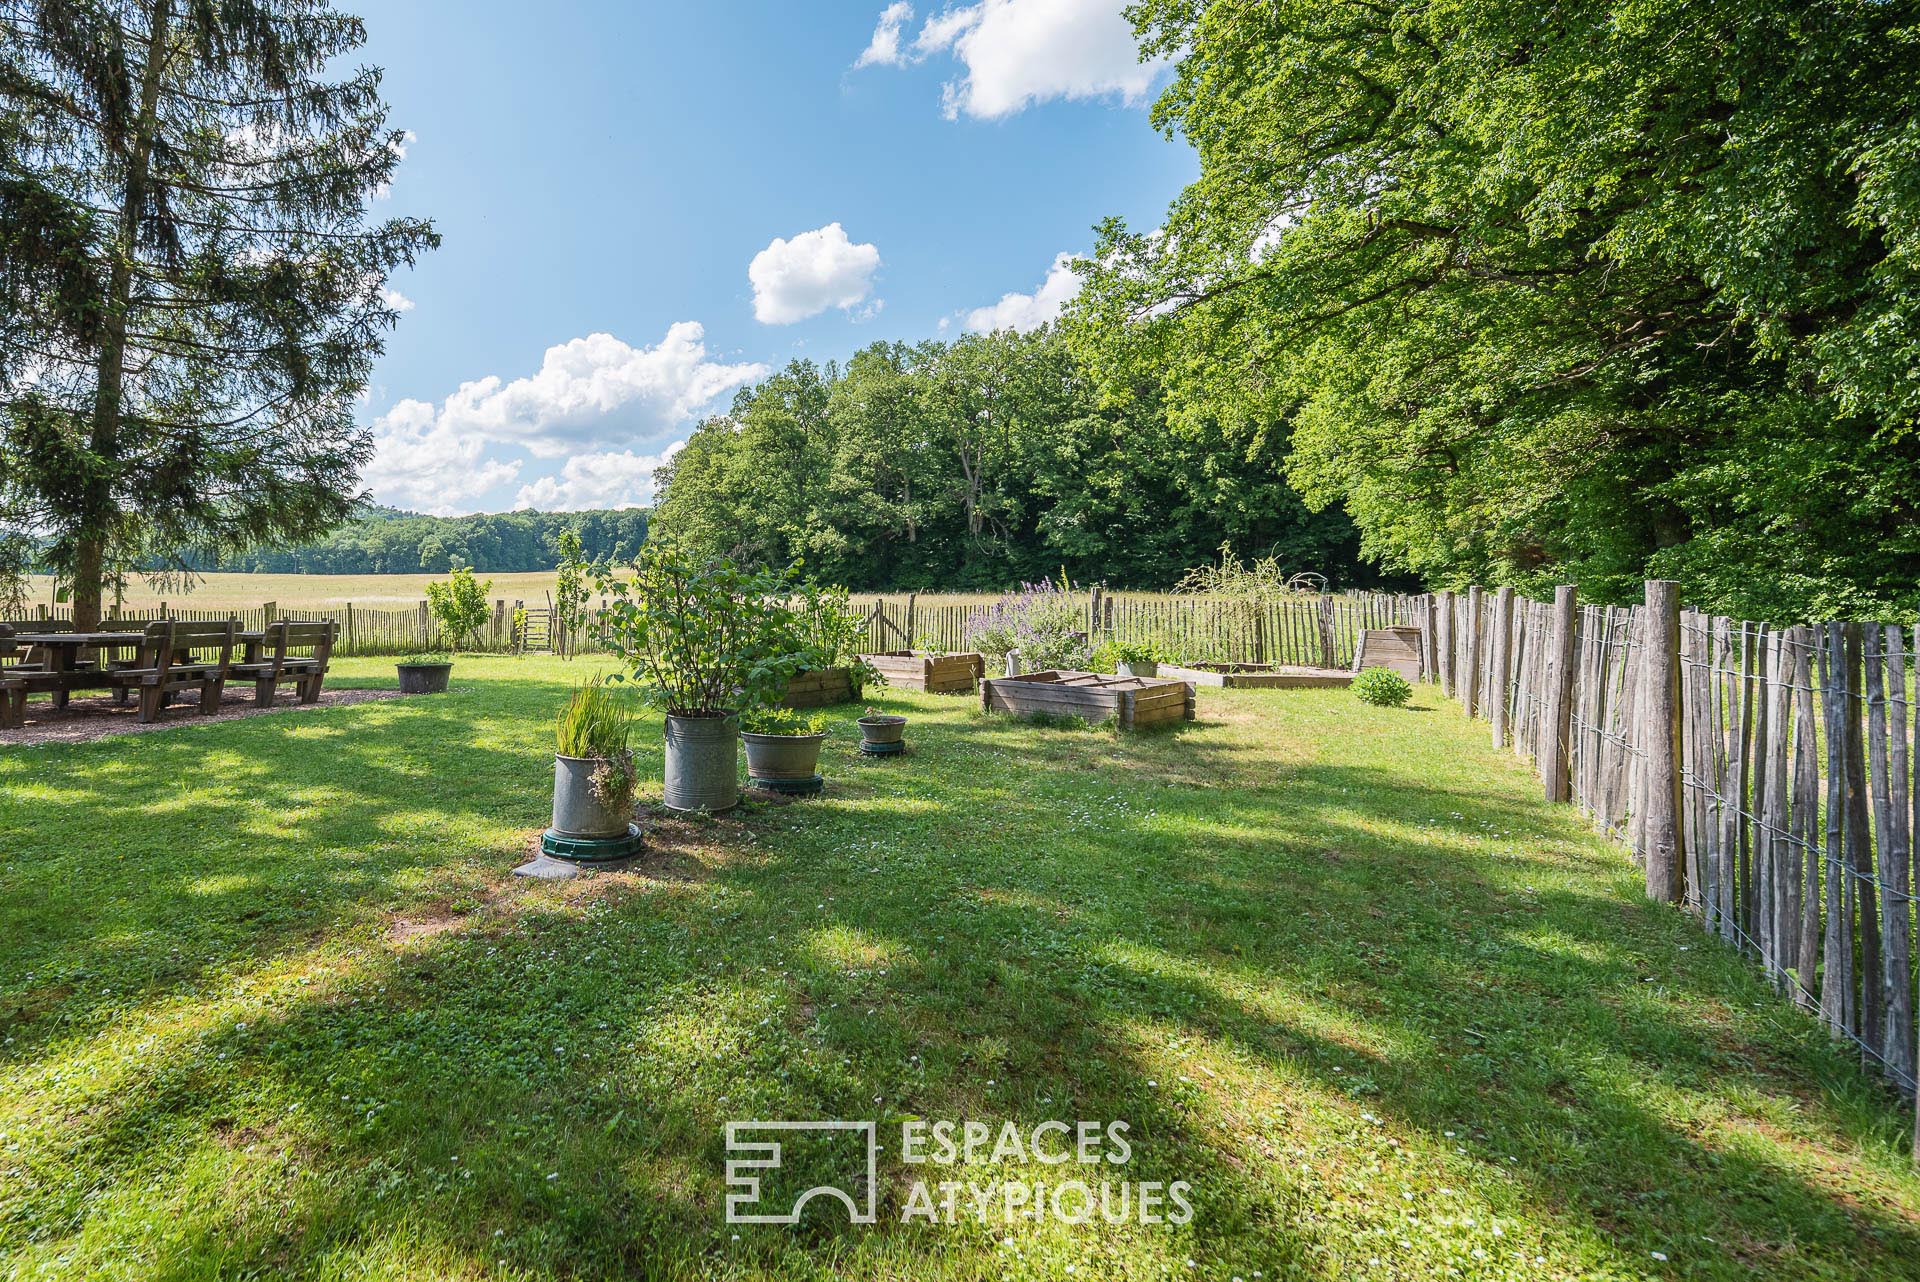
{"x":425,"y":672}
{"x":882,"y":734}
{"x":1135,"y":659}
{"x":593,"y":778}
{"x":783,"y":749}
{"x":705,"y":638}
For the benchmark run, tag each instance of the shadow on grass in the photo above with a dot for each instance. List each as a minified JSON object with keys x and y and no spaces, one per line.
{"x":1236,"y":954}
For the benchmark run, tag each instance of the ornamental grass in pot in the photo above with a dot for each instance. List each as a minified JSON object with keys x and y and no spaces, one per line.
{"x":425,"y":672}
{"x":593,"y":775}
{"x":705,"y":638}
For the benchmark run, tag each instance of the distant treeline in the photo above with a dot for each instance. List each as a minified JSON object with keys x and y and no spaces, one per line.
{"x":385,"y":541}
{"x":982,"y":462}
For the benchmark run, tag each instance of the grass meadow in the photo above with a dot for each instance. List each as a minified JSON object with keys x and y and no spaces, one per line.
{"x":272,"y":1006}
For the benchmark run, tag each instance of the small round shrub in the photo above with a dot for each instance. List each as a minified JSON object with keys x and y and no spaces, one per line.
{"x":1383,"y":688}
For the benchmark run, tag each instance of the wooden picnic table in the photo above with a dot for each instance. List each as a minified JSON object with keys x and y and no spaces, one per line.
{"x":64,"y":649}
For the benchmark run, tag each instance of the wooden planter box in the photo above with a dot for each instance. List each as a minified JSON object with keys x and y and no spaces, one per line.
{"x":929,"y":670}
{"x":1257,"y":676}
{"x":818,"y":689}
{"x":1132,"y":701}
{"x":1396,"y":648}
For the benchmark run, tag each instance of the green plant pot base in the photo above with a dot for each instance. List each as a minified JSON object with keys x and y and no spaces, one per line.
{"x":893,"y":749}
{"x":590,"y":850}
{"x":809,"y":787}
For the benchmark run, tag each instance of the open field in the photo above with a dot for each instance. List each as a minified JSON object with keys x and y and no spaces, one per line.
{"x":270,"y":1005}
{"x":375,"y":591}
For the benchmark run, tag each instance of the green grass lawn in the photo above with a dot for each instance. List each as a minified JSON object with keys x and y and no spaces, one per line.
{"x":270,"y":1006}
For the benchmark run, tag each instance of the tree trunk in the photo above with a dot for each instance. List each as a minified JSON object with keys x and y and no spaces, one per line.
{"x":89,"y":563}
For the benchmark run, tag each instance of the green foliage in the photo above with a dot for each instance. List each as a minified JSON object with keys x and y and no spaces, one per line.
{"x":459,"y":605}
{"x":979,"y":463}
{"x":570,"y":592}
{"x":1381,"y":687}
{"x":381,"y":540}
{"x":596,"y":722}
{"x":826,"y":631}
{"x":1134,"y":651}
{"x":787,"y":721}
{"x":423,"y":657}
{"x":1044,"y":621}
{"x":704,"y":636}
{"x":1587,"y":294}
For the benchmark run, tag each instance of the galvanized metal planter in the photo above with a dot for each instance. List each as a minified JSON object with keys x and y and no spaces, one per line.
{"x":882,"y":736}
{"x":703,"y":763}
{"x":782,"y":756}
{"x":585,"y":828}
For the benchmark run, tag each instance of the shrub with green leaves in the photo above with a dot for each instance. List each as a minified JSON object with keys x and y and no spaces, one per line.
{"x":459,"y":605}
{"x":1383,"y":688}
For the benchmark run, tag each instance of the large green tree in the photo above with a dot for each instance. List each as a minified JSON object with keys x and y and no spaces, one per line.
{"x":977,"y":464}
{"x":1591,"y":291}
{"x":193,"y":286}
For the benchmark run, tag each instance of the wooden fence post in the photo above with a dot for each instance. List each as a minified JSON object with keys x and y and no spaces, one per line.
{"x":426,"y":625}
{"x":1501,"y":674}
{"x":1557,"y":727}
{"x":1443,"y":644}
{"x":270,"y":611}
{"x":1660,"y":706}
{"x":1476,"y":638}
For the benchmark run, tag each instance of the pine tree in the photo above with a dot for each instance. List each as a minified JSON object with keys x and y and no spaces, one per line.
{"x":191,"y":289}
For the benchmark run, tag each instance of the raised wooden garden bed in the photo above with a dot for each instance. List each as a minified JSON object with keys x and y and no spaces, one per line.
{"x":1132,"y":701}
{"x":1396,"y":648}
{"x":1257,"y":676}
{"x":930,"y":670}
{"x":818,"y":689}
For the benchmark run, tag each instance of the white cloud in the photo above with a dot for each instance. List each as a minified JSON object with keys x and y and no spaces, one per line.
{"x":589,"y":481}
{"x":802,"y":277}
{"x":1030,"y":311}
{"x":595,"y":398}
{"x":884,"y":49}
{"x":421,"y":463}
{"x":1019,"y":52}
{"x":598,"y":391}
{"x":398,"y":301}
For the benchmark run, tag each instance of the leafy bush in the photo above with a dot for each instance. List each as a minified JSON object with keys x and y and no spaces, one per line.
{"x":783,"y":721}
{"x":704,"y":636}
{"x":1383,"y":688}
{"x":1042,"y":621}
{"x":459,"y":605}
{"x":1135,"y":651}
{"x":414,"y":658}
{"x":828,"y":632}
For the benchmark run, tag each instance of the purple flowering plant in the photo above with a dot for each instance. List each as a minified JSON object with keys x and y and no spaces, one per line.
{"x":1044,"y":621}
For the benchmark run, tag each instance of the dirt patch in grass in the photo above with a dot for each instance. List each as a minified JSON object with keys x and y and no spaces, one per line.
{"x":98,"y":716}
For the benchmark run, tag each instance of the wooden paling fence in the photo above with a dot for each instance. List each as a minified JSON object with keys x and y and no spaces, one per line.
{"x":1314,"y":631}
{"x":363,"y":631}
{"x":1761,"y":775}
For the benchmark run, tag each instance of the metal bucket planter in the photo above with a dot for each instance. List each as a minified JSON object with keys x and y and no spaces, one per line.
{"x":585,"y":827}
{"x":788,"y":763}
{"x":1138,"y":668}
{"x":423,"y":678}
{"x":883,"y":736}
{"x":703,"y":756}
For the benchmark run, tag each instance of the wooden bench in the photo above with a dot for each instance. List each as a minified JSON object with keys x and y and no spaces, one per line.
{"x":167,"y":664}
{"x":293,"y":651}
{"x":20,"y":671}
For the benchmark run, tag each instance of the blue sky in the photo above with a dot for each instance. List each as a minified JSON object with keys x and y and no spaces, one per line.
{"x":646,"y":205}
